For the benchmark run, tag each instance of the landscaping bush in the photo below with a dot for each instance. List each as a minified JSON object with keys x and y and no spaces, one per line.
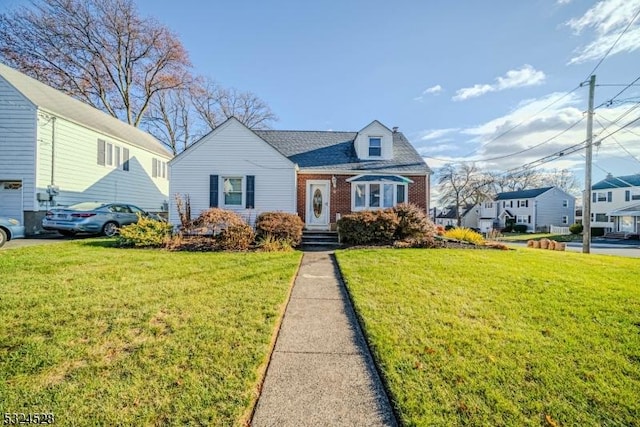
{"x":412,"y":222}
{"x":269,"y":243}
{"x":282,"y":226}
{"x":449,"y":227}
{"x":440,"y":230}
{"x":576,"y":228}
{"x":368,"y":227}
{"x":222,"y":229}
{"x":146,"y":233}
{"x":520,"y":228}
{"x":465,"y":235}
{"x":507,"y":229}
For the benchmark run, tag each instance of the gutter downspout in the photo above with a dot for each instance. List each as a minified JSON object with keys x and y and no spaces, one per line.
{"x":53,"y":151}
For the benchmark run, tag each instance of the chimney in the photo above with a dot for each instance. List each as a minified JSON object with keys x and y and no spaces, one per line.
{"x":609,"y":176}
{"x":395,"y":129}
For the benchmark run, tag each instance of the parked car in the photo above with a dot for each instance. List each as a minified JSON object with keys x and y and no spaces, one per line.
{"x":10,"y":229}
{"x":92,"y":217}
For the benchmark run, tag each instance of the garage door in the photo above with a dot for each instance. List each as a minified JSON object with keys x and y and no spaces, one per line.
{"x":11,"y":199}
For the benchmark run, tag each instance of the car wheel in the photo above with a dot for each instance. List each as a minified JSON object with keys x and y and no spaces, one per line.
{"x":110,"y":229}
{"x":67,"y":233}
{"x":3,"y":238}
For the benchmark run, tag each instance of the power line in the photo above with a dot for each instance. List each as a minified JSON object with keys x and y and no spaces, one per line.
{"x":614,"y":44}
{"x":610,"y":101}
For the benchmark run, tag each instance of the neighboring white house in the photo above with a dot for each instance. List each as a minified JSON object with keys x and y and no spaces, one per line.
{"x":57,"y":151}
{"x":615,"y":204}
{"x":320,"y":175}
{"x":487,"y":215}
{"x":538,"y":208}
{"x":449,"y":216}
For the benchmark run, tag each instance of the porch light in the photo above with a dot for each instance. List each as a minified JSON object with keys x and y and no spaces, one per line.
{"x":334,"y":180}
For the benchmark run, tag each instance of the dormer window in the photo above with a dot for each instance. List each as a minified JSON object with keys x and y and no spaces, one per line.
{"x":375,"y":147}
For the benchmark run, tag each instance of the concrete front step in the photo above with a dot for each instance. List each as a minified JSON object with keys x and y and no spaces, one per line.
{"x":312,"y":239}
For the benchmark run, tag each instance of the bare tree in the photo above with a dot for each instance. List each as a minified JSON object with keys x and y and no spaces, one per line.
{"x":216,"y":104}
{"x":462,"y":185}
{"x":171,"y":118}
{"x":564,"y":179}
{"x":100,"y":51}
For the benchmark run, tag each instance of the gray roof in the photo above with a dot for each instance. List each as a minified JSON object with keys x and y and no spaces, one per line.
{"x":617,"y":182}
{"x":327,"y":150}
{"x":54,"y":101}
{"x":451,"y":212}
{"x":522,"y":194}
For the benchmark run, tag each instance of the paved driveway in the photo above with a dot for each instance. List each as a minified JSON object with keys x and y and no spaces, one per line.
{"x":21,"y":243}
{"x":626,"y":249}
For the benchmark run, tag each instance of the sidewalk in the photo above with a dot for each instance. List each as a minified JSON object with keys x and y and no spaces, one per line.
{"x":321,"y":372}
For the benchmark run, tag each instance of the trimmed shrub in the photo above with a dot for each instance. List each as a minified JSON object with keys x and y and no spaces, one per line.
{"x":412,"y":222}
{"x":507,"y":229}
{"x":465,"y":235}
{"x":283,"y":226}
{"x":368,"y":227}
{"x":226,"y":230}
{"x":520,"y":228}
{"x":576,"y":228}
{"x":146,"y":233}
{"x":420,"y":242}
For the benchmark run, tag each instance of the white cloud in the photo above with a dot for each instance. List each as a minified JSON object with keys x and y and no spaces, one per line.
{"x":563,"y":2}
{"x":436,"y":133}
{"x":607,"y":19}
{"x":433,"y":90}
{"x":525,"y":76}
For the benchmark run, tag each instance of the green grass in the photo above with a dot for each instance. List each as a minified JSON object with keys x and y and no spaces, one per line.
{"x":105,"y":336}
{"x":502,"y":338}
{"x":523,"y":237}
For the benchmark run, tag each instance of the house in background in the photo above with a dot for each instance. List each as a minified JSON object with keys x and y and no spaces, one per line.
{"x":57,"y":151}
{"x":537,"y":208}
{"x":321,"y":175}
{"x":449,"y":216}
{"x":615,"y":205}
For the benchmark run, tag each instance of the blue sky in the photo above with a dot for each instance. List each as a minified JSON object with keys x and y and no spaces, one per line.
{"x":451,"y":75}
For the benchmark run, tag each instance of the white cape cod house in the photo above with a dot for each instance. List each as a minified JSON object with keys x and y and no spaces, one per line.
{"x":57,"y":151}
{"x":538,"y":208}
{"x":320,"y":175}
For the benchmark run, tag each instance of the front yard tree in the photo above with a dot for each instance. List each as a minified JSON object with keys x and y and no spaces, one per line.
{"x":99,"y":51}
{"x":461,"y":185}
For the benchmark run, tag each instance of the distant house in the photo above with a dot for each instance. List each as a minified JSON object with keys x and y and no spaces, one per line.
{"x":537,"y":208}
{"x":449,"y":216}
{"x":56,"y":150}
{"x":320,"y":175}
{"x":615,"y":205}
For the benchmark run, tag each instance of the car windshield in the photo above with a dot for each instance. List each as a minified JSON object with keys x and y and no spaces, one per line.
{"x":85,"y":206}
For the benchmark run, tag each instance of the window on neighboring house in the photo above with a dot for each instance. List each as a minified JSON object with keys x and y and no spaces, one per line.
{"x":522,"y":219}
{"x":109,"y":154}
{"x":523,"y":203}
{"x":116,"y":156}
{"x":631,"y":195}
{"x":600,"y":217}
{"x":565,"y":219}
{"x":101,"y":152}
{"x":377,"y":195}
{"x":375,"y":147}
{"x":565,"y":203}
{"x":488,"y":205}
{"x":602,"y":196}
{"x":158,"y":168}
{"x":232,"y":187}
{"x":125,"y":159}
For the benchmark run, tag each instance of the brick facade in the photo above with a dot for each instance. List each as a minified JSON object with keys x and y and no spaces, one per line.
{"x":340,"y":198}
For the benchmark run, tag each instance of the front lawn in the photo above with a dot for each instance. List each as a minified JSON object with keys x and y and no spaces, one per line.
{"x":511,"y":338}
{"x":104,"y":336}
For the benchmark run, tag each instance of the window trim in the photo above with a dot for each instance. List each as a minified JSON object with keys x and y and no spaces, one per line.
{"x":367,"y":194}
{"x":369,"y":147}
{"x":524,"y":221}
{"x":565,"y":219}
{"x":242,"y":191}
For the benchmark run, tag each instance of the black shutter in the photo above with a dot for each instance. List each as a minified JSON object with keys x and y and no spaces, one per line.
{"x":627,"y":196}
{"x":529,"y":219}
{"x":594,"y":198}
{"x":213,"y":191}
{"x":125,"y":159}
{"x":251,"y":192}
{"x":101,"y":152}
{"x":526,"y":205}
{"x":609,"y":196}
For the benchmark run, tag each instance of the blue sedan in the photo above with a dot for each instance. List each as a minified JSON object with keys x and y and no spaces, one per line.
{"x":10,"y":229}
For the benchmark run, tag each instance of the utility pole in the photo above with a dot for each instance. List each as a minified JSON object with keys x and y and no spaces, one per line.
{"x":586,"y":198}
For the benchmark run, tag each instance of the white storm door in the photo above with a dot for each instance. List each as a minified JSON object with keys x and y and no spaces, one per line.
{"x":318,"y":204}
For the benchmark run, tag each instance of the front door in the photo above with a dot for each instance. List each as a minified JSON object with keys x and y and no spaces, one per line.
{"x":318,"y":204}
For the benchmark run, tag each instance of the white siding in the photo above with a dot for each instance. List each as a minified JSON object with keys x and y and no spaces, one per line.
{"x":617,"y":202}
{"x":17,"y":141}
{"x":233,"y":150}
{"x":375,"y":129}
{"x":79,"y":176}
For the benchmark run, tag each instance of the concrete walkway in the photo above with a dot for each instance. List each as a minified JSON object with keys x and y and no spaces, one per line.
{"x":321,"y":372}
